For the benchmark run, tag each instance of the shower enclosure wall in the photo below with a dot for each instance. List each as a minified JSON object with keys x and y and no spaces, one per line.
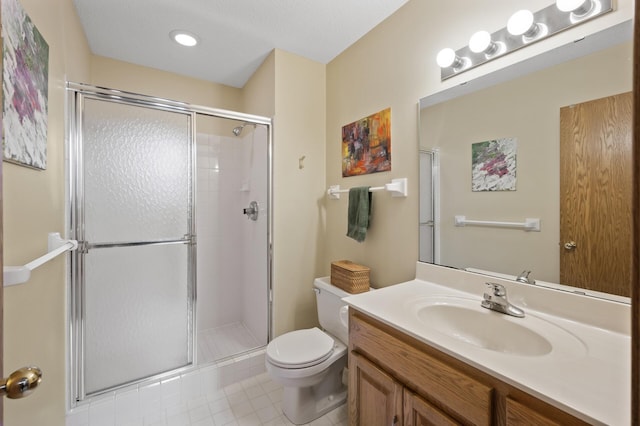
{"x":170,"y":273}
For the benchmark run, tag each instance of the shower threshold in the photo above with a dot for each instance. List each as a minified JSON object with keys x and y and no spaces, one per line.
{"x":229,"y":340}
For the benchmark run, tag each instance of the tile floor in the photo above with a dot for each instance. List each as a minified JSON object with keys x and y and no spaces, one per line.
{"x":233,"y":393}
{"x":252,"y":402}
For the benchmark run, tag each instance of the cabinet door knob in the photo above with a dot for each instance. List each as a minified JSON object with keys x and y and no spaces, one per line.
{"x":394,"y":421}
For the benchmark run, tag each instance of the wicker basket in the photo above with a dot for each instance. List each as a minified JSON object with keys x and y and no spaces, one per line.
{"x":349,"y":276}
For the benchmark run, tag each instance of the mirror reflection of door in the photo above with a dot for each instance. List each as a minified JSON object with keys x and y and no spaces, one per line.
{"x":595,"y":194}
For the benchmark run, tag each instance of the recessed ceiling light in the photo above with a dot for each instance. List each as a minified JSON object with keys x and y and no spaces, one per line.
{"x":184,"y":38}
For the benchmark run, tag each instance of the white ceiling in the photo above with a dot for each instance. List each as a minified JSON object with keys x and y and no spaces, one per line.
{"x":235,"y":35}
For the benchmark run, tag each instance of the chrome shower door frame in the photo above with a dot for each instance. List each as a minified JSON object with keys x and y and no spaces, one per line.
{"x":75,"y":218}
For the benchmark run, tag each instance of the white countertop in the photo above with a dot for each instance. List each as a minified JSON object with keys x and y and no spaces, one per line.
{"x":590,"y":378}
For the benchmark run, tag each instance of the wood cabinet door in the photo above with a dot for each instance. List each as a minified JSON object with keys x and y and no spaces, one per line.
{"x":375,"y":398}
{"x":418,"y":412}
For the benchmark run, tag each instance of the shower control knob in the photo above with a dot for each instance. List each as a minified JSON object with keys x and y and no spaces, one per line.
{"x":251,"y":211}
{"x":21,"y":382}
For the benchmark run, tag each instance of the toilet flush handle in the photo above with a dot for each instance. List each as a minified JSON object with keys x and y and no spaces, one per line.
{"x":344,"y":316}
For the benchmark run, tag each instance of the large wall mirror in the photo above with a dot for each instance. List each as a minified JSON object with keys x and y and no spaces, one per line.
{"x":534,"y":126}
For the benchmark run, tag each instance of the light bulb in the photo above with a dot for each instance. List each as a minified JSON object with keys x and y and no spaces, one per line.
{"x":578,"y":7}
{"x":481,"y":42}
{"x":446,"y":58}
{"x":183,"y":38}
{"x":569,"y":5}
{"x":521,"y":23}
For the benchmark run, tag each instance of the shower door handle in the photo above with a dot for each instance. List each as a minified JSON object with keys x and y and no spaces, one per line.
{"x":21,"y":382}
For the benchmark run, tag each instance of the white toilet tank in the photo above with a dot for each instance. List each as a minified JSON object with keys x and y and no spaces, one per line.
{"x":328,"y":298}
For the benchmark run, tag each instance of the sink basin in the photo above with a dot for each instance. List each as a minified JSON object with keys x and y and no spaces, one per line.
{"x":466,"y":321}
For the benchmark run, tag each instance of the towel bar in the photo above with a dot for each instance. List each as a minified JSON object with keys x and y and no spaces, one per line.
{"x":13,"y":275}
{"x":397,"y":187}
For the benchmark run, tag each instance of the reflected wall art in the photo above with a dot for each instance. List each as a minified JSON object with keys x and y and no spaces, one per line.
{"x":493,"y":165}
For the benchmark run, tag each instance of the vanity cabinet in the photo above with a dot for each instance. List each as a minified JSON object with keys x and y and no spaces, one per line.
{"x":380,"y":399}
{"x":395,"y":379}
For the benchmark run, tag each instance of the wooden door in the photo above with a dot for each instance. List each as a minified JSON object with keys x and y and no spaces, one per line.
{"x":375,"y":398}
{"x":418,"y":412}
{"x":595,"y":194}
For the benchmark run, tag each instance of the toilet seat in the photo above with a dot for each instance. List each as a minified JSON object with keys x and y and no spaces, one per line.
{"x":300,"y":348}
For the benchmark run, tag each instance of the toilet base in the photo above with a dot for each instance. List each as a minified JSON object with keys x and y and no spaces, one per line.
{"x":304,"y":404}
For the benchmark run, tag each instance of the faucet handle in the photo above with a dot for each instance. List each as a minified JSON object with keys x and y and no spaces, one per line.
{"x":497,"y":289}
{"x":524,"y":277}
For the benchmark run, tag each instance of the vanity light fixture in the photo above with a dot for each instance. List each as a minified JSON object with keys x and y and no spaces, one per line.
{"x":523,"y":28}
{"x":183,"y":38}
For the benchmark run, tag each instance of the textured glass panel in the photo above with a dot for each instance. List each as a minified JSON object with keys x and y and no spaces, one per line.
{"x":137,"y":317}
{"x":136,"y":172}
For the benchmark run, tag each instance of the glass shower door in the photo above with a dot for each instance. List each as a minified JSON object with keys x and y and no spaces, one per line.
{"x":133,"y":275}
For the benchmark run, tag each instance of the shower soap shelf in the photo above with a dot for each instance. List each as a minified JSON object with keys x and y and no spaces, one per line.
{"x":13,"y":275}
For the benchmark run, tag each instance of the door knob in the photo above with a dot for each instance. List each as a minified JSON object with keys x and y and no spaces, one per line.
{"x":21,"y":382}
{"x":571,"y":245}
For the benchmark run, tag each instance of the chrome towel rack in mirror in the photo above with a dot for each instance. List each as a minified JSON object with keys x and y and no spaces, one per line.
{"x":13,"y":275}
{"x":397,"y":187}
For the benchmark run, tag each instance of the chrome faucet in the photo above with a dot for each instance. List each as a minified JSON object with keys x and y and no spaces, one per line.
{"x":496,"y":300}
{"x":524,"y":277}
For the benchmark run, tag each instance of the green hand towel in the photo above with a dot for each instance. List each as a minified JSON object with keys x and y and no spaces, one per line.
{"x":359,"y":213}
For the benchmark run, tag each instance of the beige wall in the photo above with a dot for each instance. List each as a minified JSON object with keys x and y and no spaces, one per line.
{"x":110,"y":73}
{"x":34,"y":313}
{"x":393,"y":66}
{"x":299,"y":222}
{"x":260,"y":91}
{"x":528,"y":109}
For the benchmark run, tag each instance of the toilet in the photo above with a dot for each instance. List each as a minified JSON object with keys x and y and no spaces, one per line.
{"x":309,"y":363}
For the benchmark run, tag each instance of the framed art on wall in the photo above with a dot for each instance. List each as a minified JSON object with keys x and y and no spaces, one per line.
{"x":366,"y":145}
{"x":25,"y":81}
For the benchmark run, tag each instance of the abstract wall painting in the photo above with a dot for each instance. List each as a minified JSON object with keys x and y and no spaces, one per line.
{"x":493,"y":165}
{"x":366,"y":145}
{"x":25,"y":82}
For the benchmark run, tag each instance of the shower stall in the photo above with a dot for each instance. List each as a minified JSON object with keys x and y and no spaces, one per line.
{"x":170,"y":204}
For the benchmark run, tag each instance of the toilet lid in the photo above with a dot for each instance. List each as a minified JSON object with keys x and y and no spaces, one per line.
{"x":300,"y":348}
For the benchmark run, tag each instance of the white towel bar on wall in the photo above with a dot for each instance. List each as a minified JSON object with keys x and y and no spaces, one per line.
{"x":397,"y":187}
{"x":529,"y":224}
{"x":13,"y":275}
